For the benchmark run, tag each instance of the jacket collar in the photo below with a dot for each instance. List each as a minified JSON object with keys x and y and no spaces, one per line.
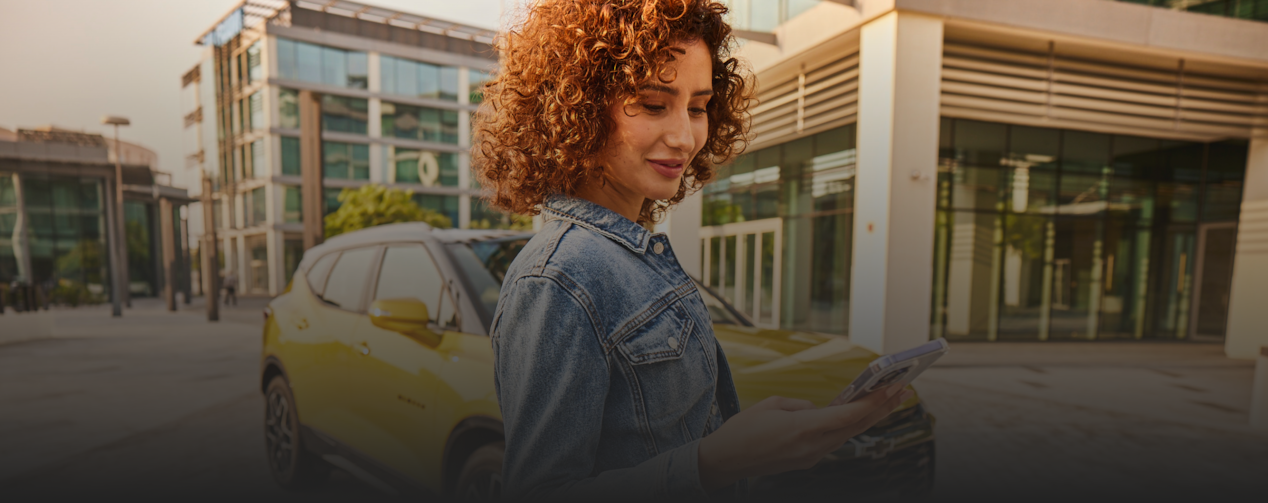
{"x":599,"y":219}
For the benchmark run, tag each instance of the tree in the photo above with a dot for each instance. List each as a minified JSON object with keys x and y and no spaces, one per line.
{"x":375,"y":204}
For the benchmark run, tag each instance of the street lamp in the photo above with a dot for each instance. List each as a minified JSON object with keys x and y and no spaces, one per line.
{"x":120,"y":247}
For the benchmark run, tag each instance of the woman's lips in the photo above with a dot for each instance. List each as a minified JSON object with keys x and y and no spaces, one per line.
{"x":667,"y":167}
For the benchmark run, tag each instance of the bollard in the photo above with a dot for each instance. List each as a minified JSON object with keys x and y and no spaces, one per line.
{"x":1259,"y":392}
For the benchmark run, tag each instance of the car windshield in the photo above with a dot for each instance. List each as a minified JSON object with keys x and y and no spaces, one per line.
{"x":484,"y":263}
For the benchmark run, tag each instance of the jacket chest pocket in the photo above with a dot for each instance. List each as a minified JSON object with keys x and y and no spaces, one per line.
{"x":663,"y":338}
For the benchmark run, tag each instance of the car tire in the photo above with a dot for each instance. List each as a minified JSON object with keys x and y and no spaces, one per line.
{"x":293,"y":467}
{"x":481,"y":475}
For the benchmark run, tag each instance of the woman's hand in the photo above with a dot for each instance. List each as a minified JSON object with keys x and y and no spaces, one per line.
{"x":780,"y":434}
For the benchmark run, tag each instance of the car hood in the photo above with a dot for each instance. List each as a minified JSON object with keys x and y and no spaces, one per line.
{"x":804,"y":365}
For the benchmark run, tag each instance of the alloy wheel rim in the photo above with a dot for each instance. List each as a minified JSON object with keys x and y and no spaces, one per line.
{"x":278,"y":432}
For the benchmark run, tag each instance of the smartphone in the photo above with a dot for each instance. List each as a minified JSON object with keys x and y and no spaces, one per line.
{"x":901,"y":367}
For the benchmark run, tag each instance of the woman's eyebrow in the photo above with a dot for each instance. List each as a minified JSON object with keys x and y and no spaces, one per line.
{"x":672,"y":91}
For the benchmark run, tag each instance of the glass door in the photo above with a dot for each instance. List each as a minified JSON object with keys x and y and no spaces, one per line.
{"x":1212,"y":279}
{"x":740,"y":262}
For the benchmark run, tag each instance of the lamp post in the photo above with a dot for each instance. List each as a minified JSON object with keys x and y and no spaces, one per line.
{"x":120,"y":283}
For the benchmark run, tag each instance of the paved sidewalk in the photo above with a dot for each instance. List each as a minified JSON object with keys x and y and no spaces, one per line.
{"x":1100,"y":421}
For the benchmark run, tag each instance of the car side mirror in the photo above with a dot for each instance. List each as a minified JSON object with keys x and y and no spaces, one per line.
{"x":408,"y":317}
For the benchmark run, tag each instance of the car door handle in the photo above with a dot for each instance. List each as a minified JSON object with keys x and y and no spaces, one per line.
{"x":364,"y":349}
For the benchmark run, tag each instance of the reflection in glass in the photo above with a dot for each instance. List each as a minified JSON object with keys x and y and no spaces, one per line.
{"x":344,"y":115}
{"x":288,"y":108}
{"x":1027,"y":277}
{"x":346,"y":161}
{"x":413,"y":78}
{"x":420,"y":123}
{"x":428,"y":168}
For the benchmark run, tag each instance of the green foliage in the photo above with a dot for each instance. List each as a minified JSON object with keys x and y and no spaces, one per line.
{"x":86,"y":260}
{"x":511,"y":221}
{"x":374,"y":204}
{"x":73,"y":293}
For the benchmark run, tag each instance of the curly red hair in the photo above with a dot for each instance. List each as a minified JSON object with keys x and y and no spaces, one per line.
{"x":545,"y":118}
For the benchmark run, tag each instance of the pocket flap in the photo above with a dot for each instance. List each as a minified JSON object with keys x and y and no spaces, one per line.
{"x":662,"y":338}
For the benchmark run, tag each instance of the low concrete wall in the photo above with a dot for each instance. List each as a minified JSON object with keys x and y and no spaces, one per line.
{"x":15,"y":327}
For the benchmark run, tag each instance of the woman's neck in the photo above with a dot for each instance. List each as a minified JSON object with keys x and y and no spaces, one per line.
{"x":608,"y":195}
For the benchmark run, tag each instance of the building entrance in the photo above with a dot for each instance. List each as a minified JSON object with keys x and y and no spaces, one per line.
{"x":741,"y":262}
{"x":1213,"y":280}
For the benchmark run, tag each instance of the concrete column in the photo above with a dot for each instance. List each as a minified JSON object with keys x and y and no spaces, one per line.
{"x":310,"y":167}
{"x":683,"y":229}
{"x":21,"y":240}
{"x":1246,"y":314}
{"x":900,"y":61}
{"x":464,"y":139}
{"x":168,"y":238}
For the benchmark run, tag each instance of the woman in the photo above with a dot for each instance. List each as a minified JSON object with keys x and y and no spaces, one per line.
{"x":602,"y":116}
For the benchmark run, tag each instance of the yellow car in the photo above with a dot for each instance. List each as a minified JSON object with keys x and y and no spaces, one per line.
{"x":376,"y":360}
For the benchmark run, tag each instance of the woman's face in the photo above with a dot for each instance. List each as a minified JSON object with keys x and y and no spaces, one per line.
{"x":658,"y":134}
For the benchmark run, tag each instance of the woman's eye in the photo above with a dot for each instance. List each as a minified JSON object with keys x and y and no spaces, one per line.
{"x":697,"y":112}
{"x":654,"y":108}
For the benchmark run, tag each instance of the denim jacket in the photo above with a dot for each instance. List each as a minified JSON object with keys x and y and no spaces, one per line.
{"x":607,"y":369}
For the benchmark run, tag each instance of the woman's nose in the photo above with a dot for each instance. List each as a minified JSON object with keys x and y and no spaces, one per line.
{"x":678,"y":133}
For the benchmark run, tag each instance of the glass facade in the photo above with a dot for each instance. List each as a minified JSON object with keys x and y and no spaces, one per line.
{"x":1047,"y":234}
{"x":433,"y":169}
{"x":765,"y":15}
{"x":420,"y":123}
{"x":322,"y":65}
{"x":256,"y":207}
{"x":412,"y":78}
{"x":288,"y":108}
{"x":344,"y":115}
{"x":805,"y":190}
{"x":475,"y":81}
{"x":445,"y":205}
{"x":8,"y":221}
{"x":345,"y":161}
{"x":292,"y":205}
{"x":290,"y":156}
{"x":1243,"y":9}
{"x":67,"y":231}
{"x":141,"y":243}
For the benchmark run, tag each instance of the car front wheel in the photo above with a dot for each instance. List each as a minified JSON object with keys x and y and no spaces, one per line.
{"x":481,"y":476}
{"x":292,"y":466}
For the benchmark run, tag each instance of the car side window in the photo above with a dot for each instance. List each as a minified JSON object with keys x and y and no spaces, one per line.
{"x":409,"y":272}
{"x":318,"y":272}
{"x":347,"y":283}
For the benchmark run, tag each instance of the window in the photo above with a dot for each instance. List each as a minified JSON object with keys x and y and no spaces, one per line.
{"x":322,"y":65}
{"x":288,"y":108}
{"x":345,"y":161}
{"x":445,"y":205}
{"x":290,"y":156}
{"x":254,"y":71}
{"x":318,"y":272}
{"x":409,"y":272}
{"x":257,"y":207}
{"x":475,"y":84}
{"x":293,"y":209}
{"x":423,"y":167}
{"x":412,"y":78}
{"x":331,"y":203}
{"x":345,"y":288}
{"x":258,"y":166}
{"x":256,"y":106}
{"x":292,"y":252}
{"x":344,"y":115}
{"x":420,"y":123}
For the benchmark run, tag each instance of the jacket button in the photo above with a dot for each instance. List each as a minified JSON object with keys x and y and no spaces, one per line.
{"x":673,"y":343}
{"x":658,"y":248}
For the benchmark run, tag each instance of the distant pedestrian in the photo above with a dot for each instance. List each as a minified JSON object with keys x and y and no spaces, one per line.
{"x":231,"y":287}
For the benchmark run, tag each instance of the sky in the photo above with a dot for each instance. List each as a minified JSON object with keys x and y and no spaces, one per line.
{"x":69,"y":62}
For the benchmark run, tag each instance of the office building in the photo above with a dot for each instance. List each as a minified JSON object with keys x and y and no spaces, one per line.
{"x":394,"y":92}
{"x":997,"y":170}
{"x":57,"y":193}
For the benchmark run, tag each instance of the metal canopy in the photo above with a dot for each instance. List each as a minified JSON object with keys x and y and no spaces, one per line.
{"x":255,"y":11}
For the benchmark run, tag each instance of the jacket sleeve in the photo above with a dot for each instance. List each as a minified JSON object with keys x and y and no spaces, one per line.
{"x":552,"y":382}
